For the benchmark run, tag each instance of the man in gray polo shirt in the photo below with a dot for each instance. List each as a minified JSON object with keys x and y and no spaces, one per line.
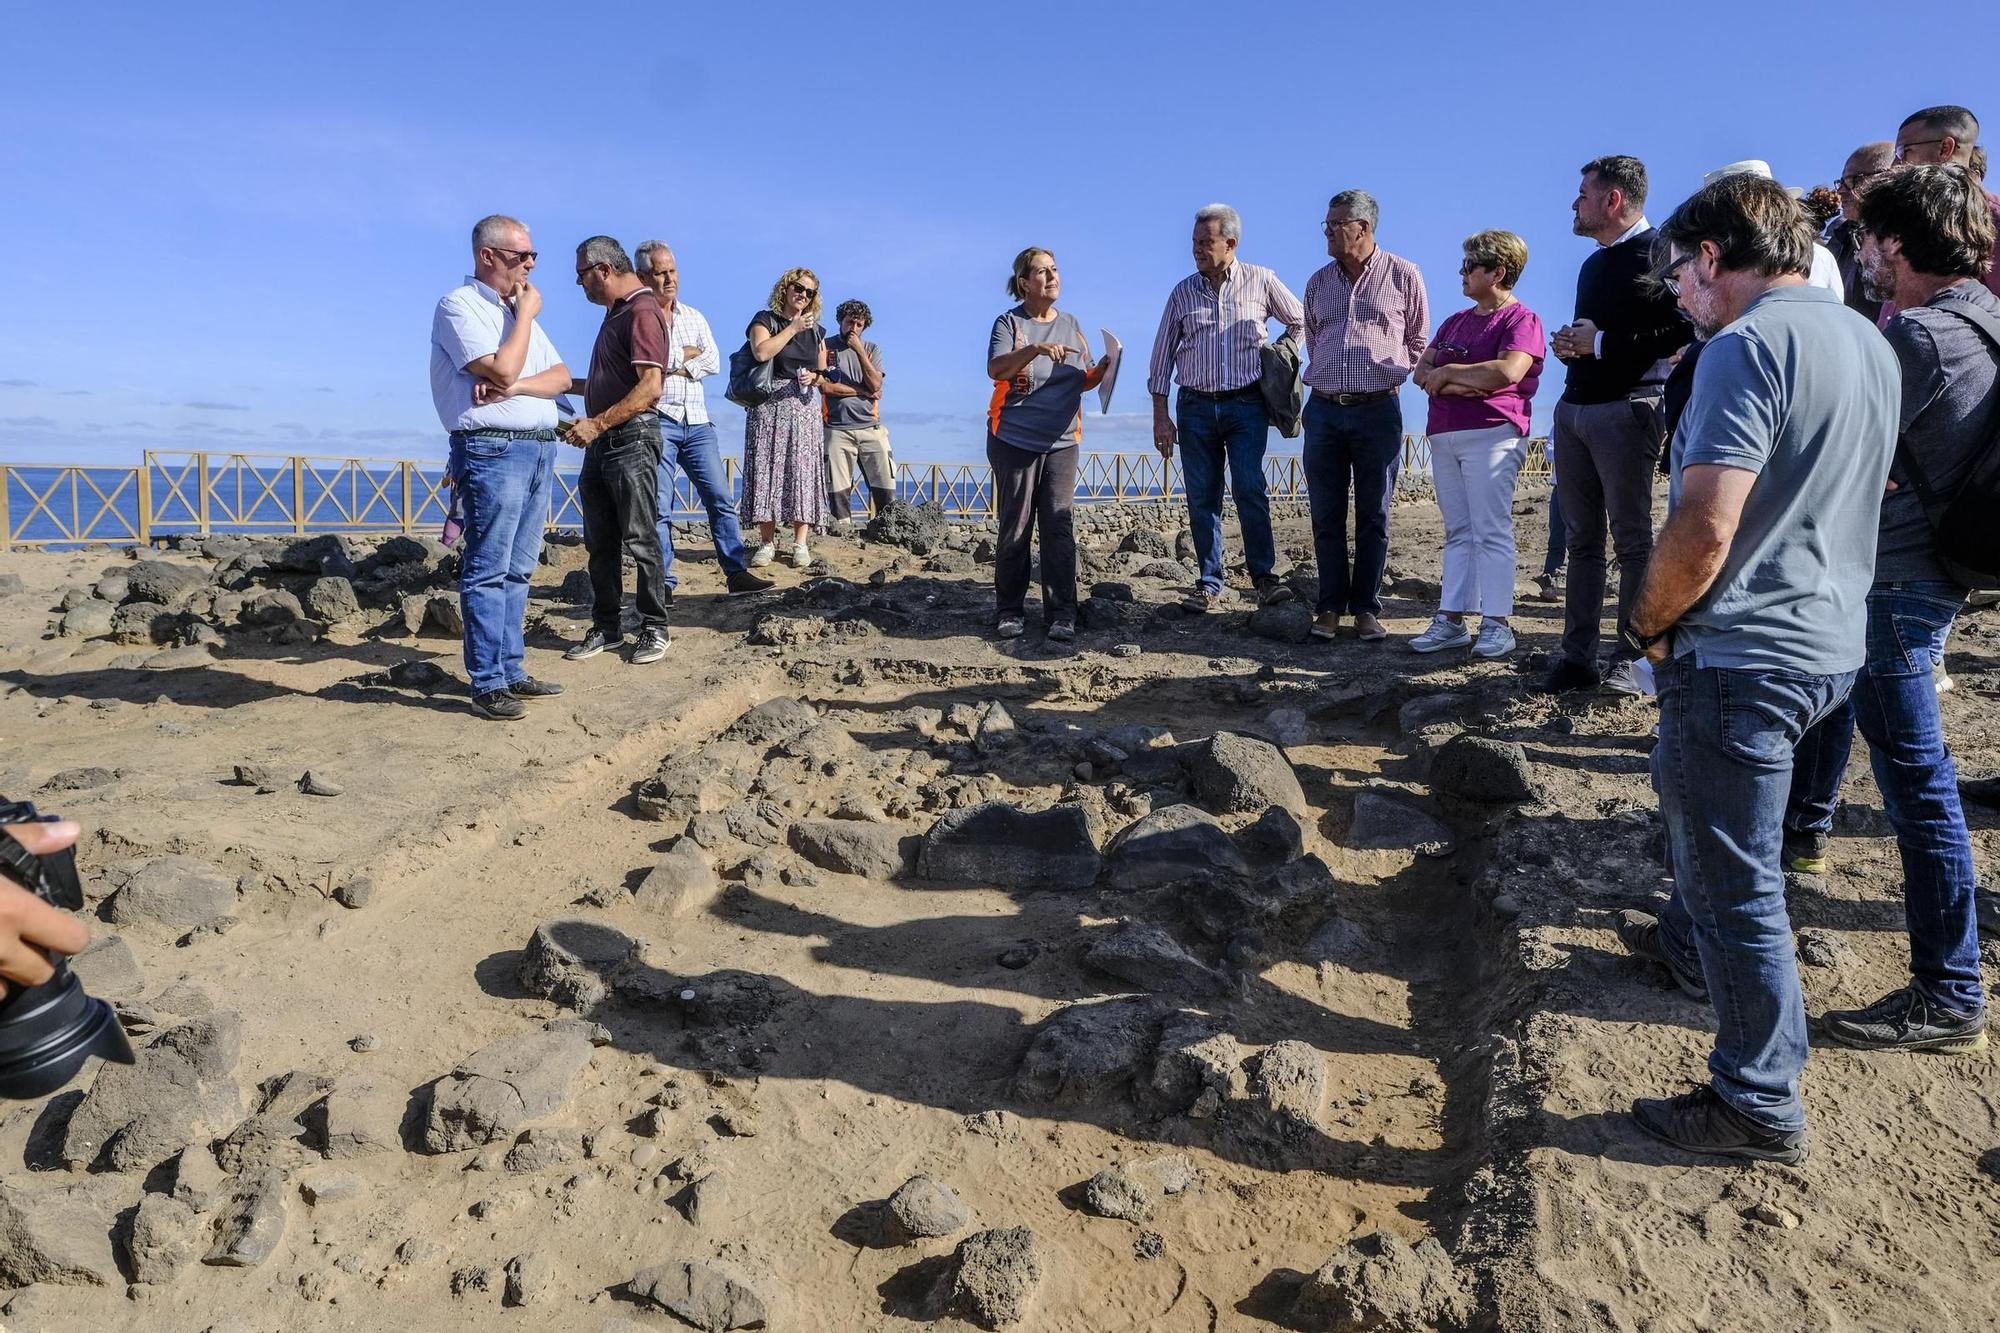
{"x":1752,"y":611}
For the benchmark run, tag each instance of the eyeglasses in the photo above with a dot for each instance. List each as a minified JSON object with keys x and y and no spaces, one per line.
{"x":1667,"y":278}
{"x":1333,"y":227}
{"x":1468,"y":266}
{"x":518,"y":256}
{"x":1855,"y":180}
{"x":1903,"y":149}
{"x":582,"y":272}
{"x":802,"y":289}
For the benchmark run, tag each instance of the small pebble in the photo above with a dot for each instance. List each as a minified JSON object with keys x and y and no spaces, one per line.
{"x":313,"y":785}
{"x":364,"y":1042}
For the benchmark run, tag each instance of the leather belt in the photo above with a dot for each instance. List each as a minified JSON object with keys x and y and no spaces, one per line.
{"x":462,"y":435}
{"x":1353,"y":399}
{"x":1250,"y":390}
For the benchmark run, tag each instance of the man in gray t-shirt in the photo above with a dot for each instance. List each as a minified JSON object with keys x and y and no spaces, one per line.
{"x":1752,"y":613}
{"x":853,"y":403}
{"x":1927,"y":240}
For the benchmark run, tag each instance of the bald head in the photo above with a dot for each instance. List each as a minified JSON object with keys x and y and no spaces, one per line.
{"x":1864,"y":164}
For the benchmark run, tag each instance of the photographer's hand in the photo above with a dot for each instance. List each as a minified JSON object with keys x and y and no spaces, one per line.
{"x":27,"y":924}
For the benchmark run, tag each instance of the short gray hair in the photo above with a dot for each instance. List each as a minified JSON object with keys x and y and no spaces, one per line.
{"x":606,"y":251}
{"x":1877,"y":156}
{"x":647,"y":249}
{"x":1359,"y":204}
{"x":492,"y":231}
{"x":1223,"y":216}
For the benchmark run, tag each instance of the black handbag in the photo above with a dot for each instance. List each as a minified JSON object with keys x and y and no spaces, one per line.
{"x":752,"y":383}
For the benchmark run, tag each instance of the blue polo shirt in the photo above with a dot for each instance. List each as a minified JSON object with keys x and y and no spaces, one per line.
{"x":1803,"y":392}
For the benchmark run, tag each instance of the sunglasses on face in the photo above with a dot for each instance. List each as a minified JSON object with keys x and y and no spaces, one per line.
{"x":802,"y":289}
{"x":1672,"y":283}
{"x":586,"y":269}
{"x":518,"y":256}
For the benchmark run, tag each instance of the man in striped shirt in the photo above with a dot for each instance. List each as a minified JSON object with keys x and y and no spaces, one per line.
{"x":687,"y":436}
{"x":1368,"y":321}
{"x":1211,"y":339}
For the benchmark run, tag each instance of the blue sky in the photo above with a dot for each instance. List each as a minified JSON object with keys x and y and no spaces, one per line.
{"x":228,"y":223}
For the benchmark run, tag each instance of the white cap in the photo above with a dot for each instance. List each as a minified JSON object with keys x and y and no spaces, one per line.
{"x":1753,"y":166}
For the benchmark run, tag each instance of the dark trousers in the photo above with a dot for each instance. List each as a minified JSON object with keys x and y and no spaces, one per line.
{"x":1219,"y":432}
{"x":1552,"y":563}
{"x":1361,"y":445}
{"x":619,"y":490}
{"x":1895,"y":704}
{"x":1031,"y":488}
{"x":1604,"y":467}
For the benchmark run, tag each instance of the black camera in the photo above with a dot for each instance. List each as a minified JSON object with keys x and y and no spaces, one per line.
{"x":48,"y":1031}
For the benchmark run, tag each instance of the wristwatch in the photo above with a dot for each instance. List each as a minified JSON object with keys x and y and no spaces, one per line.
{"x":1639,"y":643}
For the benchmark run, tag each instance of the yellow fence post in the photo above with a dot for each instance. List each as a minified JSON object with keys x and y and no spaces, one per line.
{"x":145,"y":503}
{"x":298,"y":495}
{"x":201,"y":479}
{"x":409,"y":519}
{"x":6,"y":492}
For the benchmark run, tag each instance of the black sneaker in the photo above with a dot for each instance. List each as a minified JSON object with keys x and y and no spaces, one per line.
{"x":1700,"y":1121}
{"x":593,"y":643}
{"x":527,"y":687}
{"x":1639,"y":932}
{"x":743,"y":583}
{"x":1805,"y":853}
{"x":1272,"y":590}
{"x":1062,"y":631}
{"x":1986,"y":904}
{"x":1569,"y":677}
{"x":499,"y":705}
{"x":651,"y":647}
{"x":1906,"y":1020}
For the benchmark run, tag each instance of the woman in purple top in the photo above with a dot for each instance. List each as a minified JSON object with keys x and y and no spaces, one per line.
{"x":1481,"y":371}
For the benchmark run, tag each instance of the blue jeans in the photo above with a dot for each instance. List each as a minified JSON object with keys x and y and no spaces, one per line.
{"x":1722,"y":769}
{"x":1214,"y":431}
{"x":694,"y":447}
{"x":504,"y":487}
{"x":1896,"y":707}
{"x":1362,"y":444}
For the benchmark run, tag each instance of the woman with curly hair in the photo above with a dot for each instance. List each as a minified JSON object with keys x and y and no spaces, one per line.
{"x":784,"y":459}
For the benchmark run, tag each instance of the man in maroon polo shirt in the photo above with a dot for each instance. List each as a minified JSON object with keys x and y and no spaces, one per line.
{"x":620,"y":437}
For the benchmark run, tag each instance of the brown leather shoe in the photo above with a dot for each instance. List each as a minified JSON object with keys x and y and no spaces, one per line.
{"x":1369,"y":629}
{"x":1326,"y":625}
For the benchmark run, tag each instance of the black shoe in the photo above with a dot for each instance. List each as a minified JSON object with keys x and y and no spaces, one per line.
{"x":1062,"y":631}
{"x":743,"y":583}
{"x":651,"y":647}
{"x":1272,"y":590}
{"x":1980,"y":791}
{"x":1639,"y":932}
{"x":1906,"y":1020}
{"x":527,"y":687}
{"x":593,"y":643}
{"x":499,"y":705}
{"x":1700,"y":1121}
{"x":1569,"y":677}
{"x":1986,"y":904}
{"x":1805,"y":853}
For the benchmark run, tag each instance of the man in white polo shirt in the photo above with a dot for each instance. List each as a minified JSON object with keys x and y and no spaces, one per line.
{"x":494,"y":380}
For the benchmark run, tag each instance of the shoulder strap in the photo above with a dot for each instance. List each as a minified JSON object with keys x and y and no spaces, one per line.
{"x":1988,"y":325}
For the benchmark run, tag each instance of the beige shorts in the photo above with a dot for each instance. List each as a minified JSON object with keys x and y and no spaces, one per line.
{"x":845,"y":445}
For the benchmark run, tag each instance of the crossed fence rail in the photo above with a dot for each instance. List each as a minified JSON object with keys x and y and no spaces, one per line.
{"x":202,"y":492}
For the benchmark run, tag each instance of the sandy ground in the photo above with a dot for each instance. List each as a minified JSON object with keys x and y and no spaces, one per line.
{"x":1481,"y":1029}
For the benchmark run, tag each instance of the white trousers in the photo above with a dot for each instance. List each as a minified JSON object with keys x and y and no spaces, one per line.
{"x":1472,"y":473}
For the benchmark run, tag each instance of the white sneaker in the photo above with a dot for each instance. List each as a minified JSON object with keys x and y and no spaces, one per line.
{"x":801,"y":557}
{"x":763,"y":556}
{"x":1623,"y":678}
{"x":1496,"y":639}
{"x":1444,"y":632}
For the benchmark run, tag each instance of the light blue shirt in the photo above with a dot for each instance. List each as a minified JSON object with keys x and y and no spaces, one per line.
{"x":1803,"y":392}
{"x":472,"y":321}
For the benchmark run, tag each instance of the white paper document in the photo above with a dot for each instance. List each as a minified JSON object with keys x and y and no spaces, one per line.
{"x":1110,"y":361}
